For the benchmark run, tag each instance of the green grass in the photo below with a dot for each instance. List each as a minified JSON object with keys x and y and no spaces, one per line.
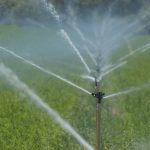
{"x":24,"y":126}
{"x":126,"y":119}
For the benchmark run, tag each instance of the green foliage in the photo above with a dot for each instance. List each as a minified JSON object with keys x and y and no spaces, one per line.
{"x":23,"y":125}
{"x":126,"y":121}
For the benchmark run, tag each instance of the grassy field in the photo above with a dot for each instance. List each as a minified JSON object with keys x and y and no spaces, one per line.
{"x":24,"y":126}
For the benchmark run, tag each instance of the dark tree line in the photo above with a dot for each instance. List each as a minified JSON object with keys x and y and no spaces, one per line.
{"x":120,"y":7}
{"x":22,"y":9}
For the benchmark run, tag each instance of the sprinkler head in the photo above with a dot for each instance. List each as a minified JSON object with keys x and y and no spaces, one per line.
{"x":98,"y":95}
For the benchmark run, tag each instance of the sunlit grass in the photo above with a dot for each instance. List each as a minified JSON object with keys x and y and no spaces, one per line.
{"x":125,"y":119}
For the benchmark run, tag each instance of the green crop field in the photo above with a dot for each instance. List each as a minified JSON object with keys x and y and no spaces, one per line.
{"x":25,"y":126}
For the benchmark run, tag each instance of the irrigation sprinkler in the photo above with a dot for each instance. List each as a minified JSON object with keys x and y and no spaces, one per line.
{"x":99,"y":96}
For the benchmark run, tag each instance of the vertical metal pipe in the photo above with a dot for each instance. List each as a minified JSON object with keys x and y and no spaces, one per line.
{"x":98,"y":106}
{"x":98,"y":125}
{"x":98,"y":117}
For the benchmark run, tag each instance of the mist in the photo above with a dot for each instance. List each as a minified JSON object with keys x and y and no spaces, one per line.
{"x":72,"y":50}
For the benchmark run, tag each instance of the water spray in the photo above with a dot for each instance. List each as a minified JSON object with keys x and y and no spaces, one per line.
{"x":84,"y":41}
{"x":98,"y":95}
{"x":13,"y":79}
{"x":51,"y":9}
{"x":43,"y":69}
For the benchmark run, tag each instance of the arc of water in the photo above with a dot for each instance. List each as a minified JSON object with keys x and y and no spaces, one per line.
{"x":91,"y":44}
{"x":111,"y":70}
{"x":128,"y":45}
{"x":88,"y":77}
{"x":130,"y":26}
{"x":114,"y":67}
{"x":50,"y":8}
{"x":79,"y":32}
{"x":107,"y":17}
{"x":145,"y":47}
{"x":90,"y":54}
{"x":118,"y":94}
{"x":142,"y":49}
{"x":65,"y":35}
{"x":139,"y":29}
{"x":44,"y":70}
{"x":17,"y":83}
{"x":115,"y":39}
{"x":107,"y":67}
{"x":136,"y":22}
{"x":70,"y":65}
{"x":33,"y":22}
{"x":130,"y":90}
{"x":84,"y":40}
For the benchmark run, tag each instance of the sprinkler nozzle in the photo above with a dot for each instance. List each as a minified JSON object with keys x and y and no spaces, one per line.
{"x":98,"y":95}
